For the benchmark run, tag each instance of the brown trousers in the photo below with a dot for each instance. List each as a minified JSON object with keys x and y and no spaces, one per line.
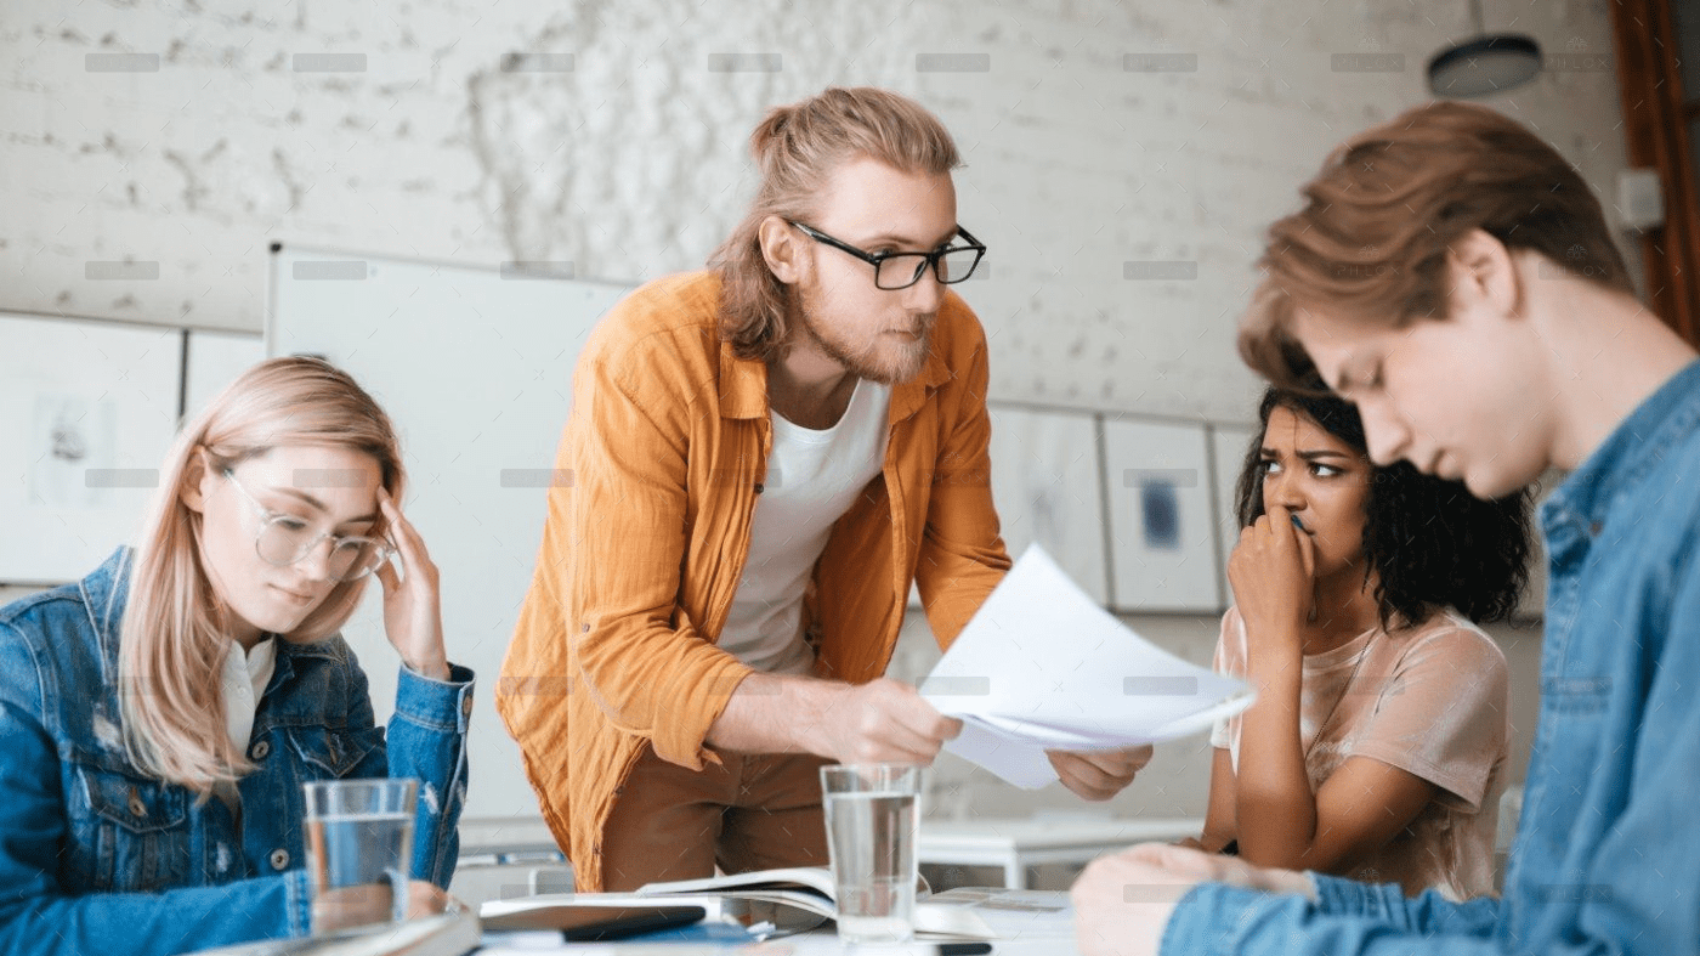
{"x":754,"y":812}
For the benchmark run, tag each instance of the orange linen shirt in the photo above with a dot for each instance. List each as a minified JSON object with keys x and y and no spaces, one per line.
{"x":657,"y":479}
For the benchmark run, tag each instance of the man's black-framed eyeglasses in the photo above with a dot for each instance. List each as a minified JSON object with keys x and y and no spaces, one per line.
{"x":900,"y":270}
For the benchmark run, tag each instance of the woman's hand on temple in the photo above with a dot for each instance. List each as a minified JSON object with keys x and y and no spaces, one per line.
{"x":413,"y":615}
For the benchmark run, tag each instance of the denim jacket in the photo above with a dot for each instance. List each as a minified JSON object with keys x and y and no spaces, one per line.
{"x":96,"y":857}
{"x":1607,"y":853}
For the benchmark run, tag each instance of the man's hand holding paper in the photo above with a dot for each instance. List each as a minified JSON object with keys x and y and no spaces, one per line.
{"x":1099,"y":775}
{"x":1043,"y":668}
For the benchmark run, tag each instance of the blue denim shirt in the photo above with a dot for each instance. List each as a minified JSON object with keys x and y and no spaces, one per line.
{"x":95,"y":857}
{"x":1607,"y":854}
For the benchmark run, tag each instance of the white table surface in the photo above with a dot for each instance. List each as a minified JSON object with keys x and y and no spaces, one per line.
{"x":948,"y":836}
{"x":823,"y":942}
{"x":489,"y":846}
{"x":1016,"y":845}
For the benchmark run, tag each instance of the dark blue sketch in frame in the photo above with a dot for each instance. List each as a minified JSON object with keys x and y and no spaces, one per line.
{"x":1161,"y":508}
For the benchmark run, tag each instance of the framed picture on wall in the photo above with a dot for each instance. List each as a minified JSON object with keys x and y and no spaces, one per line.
{"x":1163,"y":533}
{"x":1228,"y":447}
{"x":1045,"y":484}
{"x":215,"y":359}
{"x":87,"y":411}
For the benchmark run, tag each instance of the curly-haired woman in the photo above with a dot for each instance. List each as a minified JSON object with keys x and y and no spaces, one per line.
{"x":1377,"y":745}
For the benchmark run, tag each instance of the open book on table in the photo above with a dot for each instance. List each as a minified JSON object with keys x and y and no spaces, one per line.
{"x":790,"y":897}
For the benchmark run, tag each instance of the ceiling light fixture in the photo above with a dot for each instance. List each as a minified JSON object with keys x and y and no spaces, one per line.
{"x":1485,"y":64}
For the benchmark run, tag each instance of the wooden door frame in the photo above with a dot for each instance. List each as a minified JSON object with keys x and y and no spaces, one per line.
{"x":1656,"y":133}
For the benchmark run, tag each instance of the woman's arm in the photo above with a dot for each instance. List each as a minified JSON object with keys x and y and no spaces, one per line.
{"x":1221,"y":818}
{"x":427,"y":734}
{"x":1361,"y":806}
{"x":1435,"y":734}
{"x":426,"y":740}
{"x":48,"y":922}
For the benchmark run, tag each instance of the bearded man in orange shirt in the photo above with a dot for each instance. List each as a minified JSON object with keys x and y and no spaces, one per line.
{"x":763,"y":457}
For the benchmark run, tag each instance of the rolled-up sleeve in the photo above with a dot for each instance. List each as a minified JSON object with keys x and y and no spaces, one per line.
{"x":426,"y":740}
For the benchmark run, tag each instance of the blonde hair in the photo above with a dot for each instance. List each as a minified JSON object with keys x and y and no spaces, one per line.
{"x":796,"y":148}
{"x":174,"y":633}
{"x":1372,"y":237}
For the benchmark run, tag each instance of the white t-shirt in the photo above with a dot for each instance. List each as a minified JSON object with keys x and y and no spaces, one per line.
{"x":245,"y":678}
{"x":812,"y":479}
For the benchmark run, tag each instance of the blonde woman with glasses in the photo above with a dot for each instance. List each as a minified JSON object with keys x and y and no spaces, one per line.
{"x":160,"y":716}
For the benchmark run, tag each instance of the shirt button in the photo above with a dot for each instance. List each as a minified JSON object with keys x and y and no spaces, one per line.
{"x":758,"y":488}
{"x":466,"y":706}
{"x":260,"y":750}
{"x":586,"y":629}
{"x":137,"y":807}
{"x":279,"y":860}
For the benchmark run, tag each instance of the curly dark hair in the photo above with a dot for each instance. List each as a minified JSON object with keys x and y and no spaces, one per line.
{"x":1434,"y":544}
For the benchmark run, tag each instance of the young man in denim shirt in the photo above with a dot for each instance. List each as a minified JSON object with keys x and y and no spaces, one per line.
{"x":1453,"y":276}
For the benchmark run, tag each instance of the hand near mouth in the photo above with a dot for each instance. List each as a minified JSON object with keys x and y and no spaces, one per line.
{"x":1273,"y":575}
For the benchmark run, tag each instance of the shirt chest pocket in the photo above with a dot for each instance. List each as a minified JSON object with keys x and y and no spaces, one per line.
{"x":128,"y":833}
{"x":329,"y":754}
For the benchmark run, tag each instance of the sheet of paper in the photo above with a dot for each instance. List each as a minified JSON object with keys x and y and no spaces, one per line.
{"x":1043,"y":667}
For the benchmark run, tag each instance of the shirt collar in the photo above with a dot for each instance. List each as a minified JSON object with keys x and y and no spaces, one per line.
{"x":1628,"y":453}
{"x":105,"y":591}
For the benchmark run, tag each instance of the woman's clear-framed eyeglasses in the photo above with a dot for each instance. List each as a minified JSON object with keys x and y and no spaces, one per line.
{"x":900,"y":270}
{"x":284,"y":540}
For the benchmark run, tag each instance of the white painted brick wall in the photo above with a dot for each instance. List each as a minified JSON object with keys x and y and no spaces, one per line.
{"x":632,"y":163}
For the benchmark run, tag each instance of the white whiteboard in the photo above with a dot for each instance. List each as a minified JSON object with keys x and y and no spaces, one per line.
{"x":1045,"y":485}
{"x":87,"y":411}
{"x":475,"y":367}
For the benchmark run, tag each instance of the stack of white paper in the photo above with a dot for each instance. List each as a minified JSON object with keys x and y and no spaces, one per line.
{"x":1042,"y":667}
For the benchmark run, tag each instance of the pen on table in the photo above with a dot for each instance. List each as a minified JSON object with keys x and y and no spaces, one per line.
{"x":964,"y":949}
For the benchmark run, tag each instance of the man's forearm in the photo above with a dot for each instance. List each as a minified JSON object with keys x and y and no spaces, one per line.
{"x":774,"y":713}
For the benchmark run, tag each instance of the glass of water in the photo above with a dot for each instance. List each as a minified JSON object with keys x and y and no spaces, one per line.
{"x":359,"y":851}
{"x":873,"y":817}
